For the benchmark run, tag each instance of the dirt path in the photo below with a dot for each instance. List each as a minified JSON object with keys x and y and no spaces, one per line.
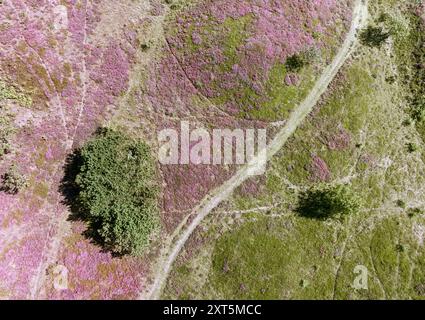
{"x":360,"y":14}
{"x":58,"y":225}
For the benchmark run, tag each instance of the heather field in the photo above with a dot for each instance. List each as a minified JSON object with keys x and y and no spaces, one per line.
{"x":88,"y":211}
{"x":360,"y":134}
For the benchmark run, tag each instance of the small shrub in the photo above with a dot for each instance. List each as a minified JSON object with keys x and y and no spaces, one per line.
{"x":413,"y":212}
{"x":304,"y":283}
{"x":401,"y":204}
{"x":295,"y":63}
{"x":391,"y":79}
{"x":406,"y":123}
{"x":145,"y":46}
{"x":412,"y":147}
{"x":373,"y":36}
{"x":383,"y":17}
{"x":327,"y":201}
{"x":118,"y":191}
{"x":399,"y":248}
{"x":13,"y":181}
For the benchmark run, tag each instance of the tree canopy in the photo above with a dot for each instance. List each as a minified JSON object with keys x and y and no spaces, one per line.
{"x":118,"y":191}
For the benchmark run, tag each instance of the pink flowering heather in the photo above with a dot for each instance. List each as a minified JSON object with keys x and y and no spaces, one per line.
{"x":420,"y":11}
{"x":94,"y":275}
{"x":339,"y":140}
{"x":216,"y":67}
{"x":226,"y":50}
{"x":46,"y":49}
{"x":319,"y":170}
{"x":185,"y":185}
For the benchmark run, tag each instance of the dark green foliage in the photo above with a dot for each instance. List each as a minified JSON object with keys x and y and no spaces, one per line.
{"x":295,"y":63}
{"x":412,"y":147}
{"x":407,"y":122}
{"x":328,"y":201}
{"x":118,"y":191}
{"x":399,"y":248}
{"x":145,"y":46}
{"x":13,"y":181}
{"x":414,"y":212}
{"x":373,"y":36}
{"x":401,"y":204}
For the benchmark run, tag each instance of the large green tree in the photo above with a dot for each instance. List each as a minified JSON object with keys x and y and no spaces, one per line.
{"x":118,"y":191}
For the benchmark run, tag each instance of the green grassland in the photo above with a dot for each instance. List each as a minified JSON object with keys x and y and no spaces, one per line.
{"x":257,"y":247}
{"x":296,"y":258}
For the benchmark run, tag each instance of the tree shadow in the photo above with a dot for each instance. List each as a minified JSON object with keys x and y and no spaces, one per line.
{"x":69,"y":188}
{"x":70,"y":192}
{"x":327,"y":203}
{"x":311,"y":205}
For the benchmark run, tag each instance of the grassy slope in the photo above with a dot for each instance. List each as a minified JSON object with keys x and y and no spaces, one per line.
{"x":233,"y":34}
{"x":280,"y":255}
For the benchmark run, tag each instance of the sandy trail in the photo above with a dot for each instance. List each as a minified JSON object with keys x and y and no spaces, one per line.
{"x":360,"y":15}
